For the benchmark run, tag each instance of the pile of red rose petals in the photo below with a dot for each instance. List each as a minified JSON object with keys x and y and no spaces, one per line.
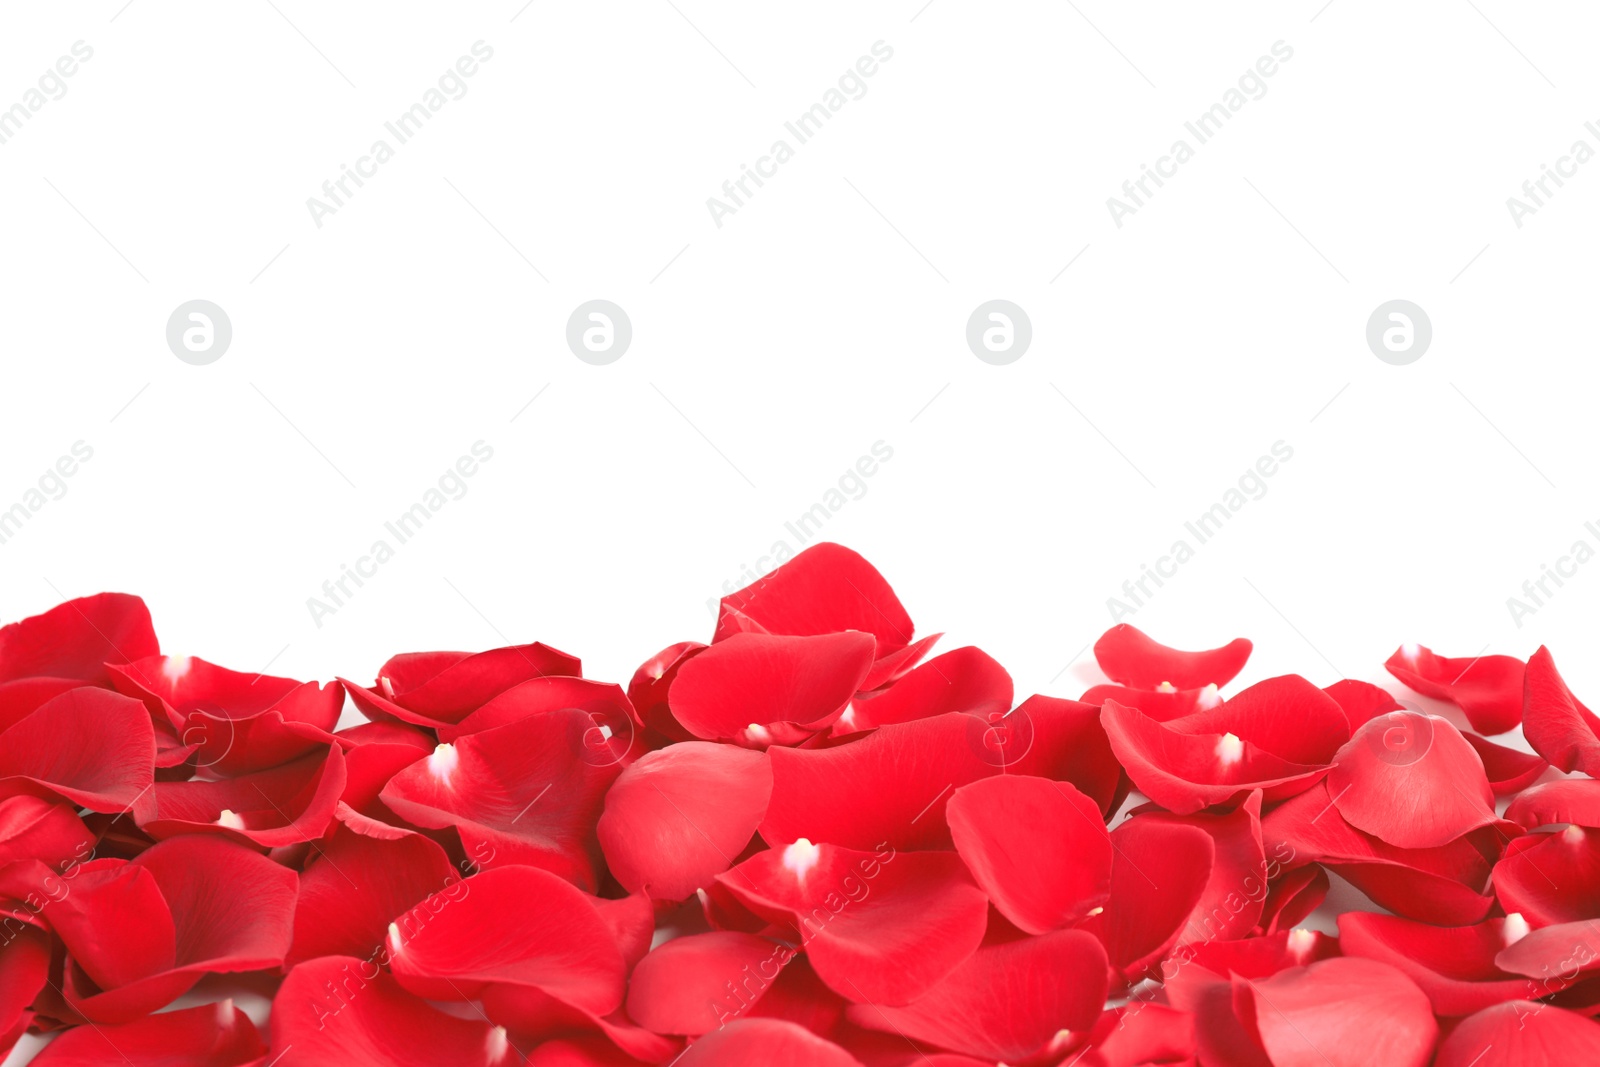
{"x":807,"y":842}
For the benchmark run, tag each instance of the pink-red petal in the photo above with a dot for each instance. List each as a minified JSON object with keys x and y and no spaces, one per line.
{"x":1131,"y":658}
{"x":1487,"y":688}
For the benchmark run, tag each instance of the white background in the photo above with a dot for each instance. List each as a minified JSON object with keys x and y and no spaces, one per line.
{"x":826,"y":315}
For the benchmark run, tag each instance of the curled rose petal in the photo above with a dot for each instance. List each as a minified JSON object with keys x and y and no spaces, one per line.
{"x":683,"y":986}
{"x":1453,"y":965}
{"x":1007,"y":1000}
{"x":1445,"y":885}
{"x":1294,"y":896}
{"x":1361,"y":701}
{"x":1521,"y":1034}
{"x":674,"y":819}
{"x":606,"y":704}
{"x":1551,"y":957}
{"x":346,"y":1011}
{"x":76,"y":639}
{"x":1411,"y":780}
{"x":651,"y":683}
{"x":1487,"y":688}
{"x":511,"y":926}
{"x":442,"y":688}
{"x":237,"y":722}
{"x":1509,"y":771}
{"x":1340,"y":1013}
{"x":89,"y":746}
{"x":825,"y":589}
{"x":739,"y":687}
{"x":1158,"y":876}
{"x":1551,"y":877}
{"x":282,"y":806}
{"x":1130,"y":658}
{"x":209,"y":1035}
{"x":963,"y":679}
{"x":24,"y":971}
{"x":879,"y":927}
{"x":1231,"y":904}
{"x":1555,"y":722}
{"x":1571,"y":800}
{"x":1037,"y":847}
{"x":528,"y":792}
{"x":39,"y":829}
{"x":1162,"y":705}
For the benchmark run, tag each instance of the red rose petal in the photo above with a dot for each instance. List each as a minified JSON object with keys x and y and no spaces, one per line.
{"x":1293,"y":897}
{"x":1553,"y":957}
{"x":1551,"y":877}
{"x":963,"y":679}
{"x":1571,"y":800}
{"x":1037,"y":847}
{"x":346,"y":1011}
{"x":803,"y":681}
{"x":1453,"y":965}
{"x":825,"y":589}
{"x":1007,"y":1000}
{"x":77,"y":639}
{"x":1411,"y":780}
{"x":877,"y":926}
{"x":1062,"y":740}
{"x":1361,"y":701}
{"x":768,"y":1042}
{"x":34,"y":828}
{"x":1487,"y":688}
{"x":89,"y":746}
{"x":528,"y":792}
{"x":1342,"y":1013}
{"x":606,"y":704}
{"x":515,"y":926}
{"x":1231,"y":904}
{"x":1158,"y":876}
{"x":682,"y":987}
{"x":24,"y":970}
{"x":674,"y":819}
{"x":1130,"y":658}
{"x":442,"y":688}
{"x":356,"y":885}
{"x":282,"y":806}
{"x":890,"y":667}
{"x":1286,"y":716}
{"x":1509,"y":771}
{"x":1162,"y":705}
{"x":1555,"y":722}
{"x":210,"y":1035}
{"x":1521,"y":1034}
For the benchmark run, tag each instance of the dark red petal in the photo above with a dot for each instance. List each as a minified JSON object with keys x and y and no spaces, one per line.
{"x":889,"y":787}
{"x":442,"y":688}
{"x":1453,"y":965}
{"x":90,"y":746}
{"x":682,"y":987}
{"x":804,"y":681}
{"x":1555,"y":722}
{"x":1361,"y":700}
{"x":1443,"y":885}
{"x":1037,"y":847}
{"x":1521,"y":1034}
{"x":1551,"y":877}
{"x":34,"y":828}
{"x":1294,"y":896}
{"x":1185,"y":772}
{"x":1509,"y":771}
{"x":1158,"y":875}
{"x":1571,"y":800}
{"x":355,"y":885}
{"x":768,"y":1042}
{"x":675,"y":819}
{"x":825,"y":589}
{"x":1487,"y":688}
{"x":1162,"y":705}
{"x":963,"y":679}
{"x":1411,"y":780}
{"x":877,"y":926}
{"x":528,"y":792}
{"x":78,"y":638}
{"x":282,"y":806}
{"x":1342,"y":1013}
{"x":652,"y":682}
{"x":346,"y":1011}
{"x":238,"y":721}
{"x":605,"y":703}
{"x":518,"y":926}
{"x":1231,"y":904}
{"x":1007,"y":1000}
{"x":210,"y":1035}
{"x":1131,"y":658}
